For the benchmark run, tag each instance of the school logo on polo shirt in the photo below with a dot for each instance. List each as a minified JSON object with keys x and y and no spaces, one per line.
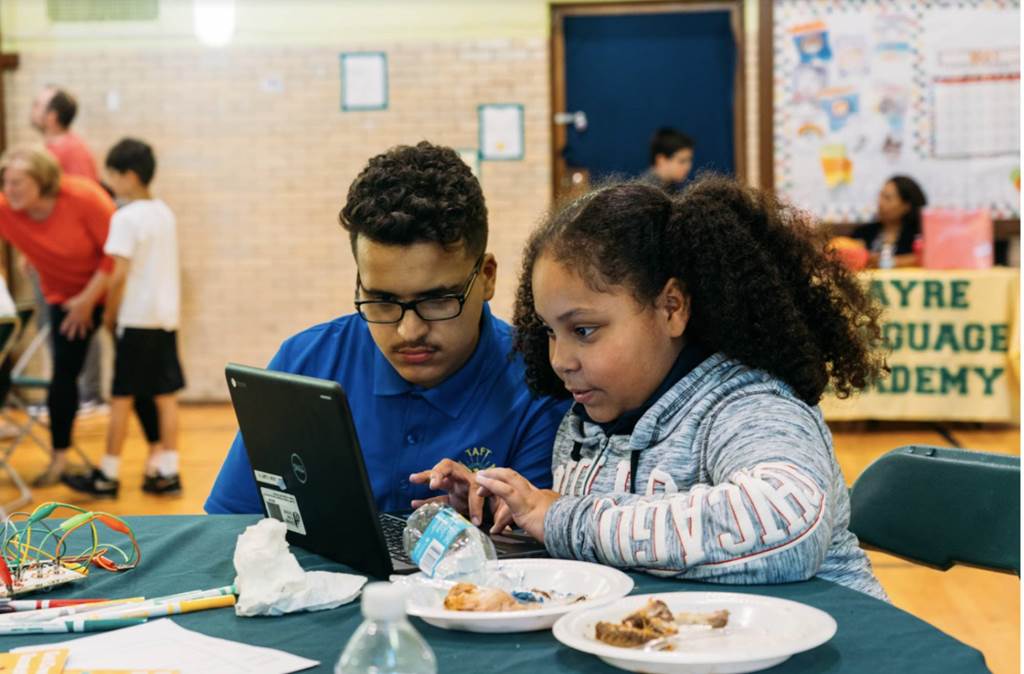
{"x":477,"y":458}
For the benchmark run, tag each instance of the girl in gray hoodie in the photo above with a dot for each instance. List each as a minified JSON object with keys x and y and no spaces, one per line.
{"x":696,"y":336}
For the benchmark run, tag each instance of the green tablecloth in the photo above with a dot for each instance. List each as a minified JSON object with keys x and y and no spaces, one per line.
{"x":182,"y":553}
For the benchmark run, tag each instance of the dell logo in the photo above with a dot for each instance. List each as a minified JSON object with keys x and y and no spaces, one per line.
{"x":299,"y":468}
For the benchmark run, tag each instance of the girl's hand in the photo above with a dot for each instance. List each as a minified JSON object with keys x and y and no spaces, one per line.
{"x":521,"y":501}
{"x":459,"y":482}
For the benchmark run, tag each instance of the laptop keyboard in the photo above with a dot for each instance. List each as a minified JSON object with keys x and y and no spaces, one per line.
{"x":394,"y":529}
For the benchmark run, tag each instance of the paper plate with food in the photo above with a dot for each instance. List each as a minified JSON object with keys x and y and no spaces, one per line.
{"x":515,"y":595}
{"x":695,"y":632}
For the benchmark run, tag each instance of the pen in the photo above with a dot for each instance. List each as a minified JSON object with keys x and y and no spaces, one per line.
{"x":75,"y":625}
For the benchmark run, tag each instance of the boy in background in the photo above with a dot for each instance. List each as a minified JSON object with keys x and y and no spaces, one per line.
{"x":142,"y":312}
{"x":671,"y":159}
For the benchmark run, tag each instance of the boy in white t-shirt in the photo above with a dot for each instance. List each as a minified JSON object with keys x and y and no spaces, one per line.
{"x":142,"y":311}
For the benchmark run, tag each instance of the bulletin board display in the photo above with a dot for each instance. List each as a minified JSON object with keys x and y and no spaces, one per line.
{"x":867,"y":89}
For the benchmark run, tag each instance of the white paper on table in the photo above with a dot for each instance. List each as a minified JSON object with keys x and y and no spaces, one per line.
{"x":163,"y":644}
{"x":364,"y":81}
{"x":501,"y":131}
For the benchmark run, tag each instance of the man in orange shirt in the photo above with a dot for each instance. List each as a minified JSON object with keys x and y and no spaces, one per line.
{"x":60,"y":224}
{"x":53,"y":111}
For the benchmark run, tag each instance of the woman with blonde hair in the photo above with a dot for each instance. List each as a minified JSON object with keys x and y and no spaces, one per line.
{"x":59,"y":223}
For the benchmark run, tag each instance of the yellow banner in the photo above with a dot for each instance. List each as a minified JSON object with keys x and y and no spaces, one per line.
{"x":955,"y":348}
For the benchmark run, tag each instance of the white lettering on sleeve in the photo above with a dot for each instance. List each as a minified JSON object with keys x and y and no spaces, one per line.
{"x":687,"y":511}
{"x":740,"y":516}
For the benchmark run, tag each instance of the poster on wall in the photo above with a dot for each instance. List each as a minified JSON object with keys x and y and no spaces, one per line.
{"x":364,"y":81}
{"x":868,"y":90}
{"x":501,"y":131}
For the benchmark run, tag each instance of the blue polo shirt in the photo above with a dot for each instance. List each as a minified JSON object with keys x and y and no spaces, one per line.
{"x":483,"y":415}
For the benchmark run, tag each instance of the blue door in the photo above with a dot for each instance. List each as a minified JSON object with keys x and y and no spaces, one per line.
{"x":631,"y":74}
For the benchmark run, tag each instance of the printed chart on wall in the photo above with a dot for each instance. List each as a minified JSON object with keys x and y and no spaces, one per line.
{"x":867,"y":90}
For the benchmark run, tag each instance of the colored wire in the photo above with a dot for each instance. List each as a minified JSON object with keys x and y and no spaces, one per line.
{"x":58,"y":545}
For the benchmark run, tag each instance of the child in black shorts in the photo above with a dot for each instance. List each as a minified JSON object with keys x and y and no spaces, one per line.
{"x":142,"y":311}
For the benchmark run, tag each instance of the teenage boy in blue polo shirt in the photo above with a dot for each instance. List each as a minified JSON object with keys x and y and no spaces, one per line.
{"x":425,"y":366}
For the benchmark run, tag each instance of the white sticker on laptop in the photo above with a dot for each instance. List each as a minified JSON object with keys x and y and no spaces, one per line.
{"x":284,"y":507}
{"x":269,"y":478}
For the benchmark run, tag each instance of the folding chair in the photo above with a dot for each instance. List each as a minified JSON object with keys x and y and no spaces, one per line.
{"x":10,"y":331}
{"x":22,"y":383}
{"x":941,"y":506}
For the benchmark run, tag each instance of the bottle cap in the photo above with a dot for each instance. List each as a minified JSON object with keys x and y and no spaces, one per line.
{"x":383,"y":601}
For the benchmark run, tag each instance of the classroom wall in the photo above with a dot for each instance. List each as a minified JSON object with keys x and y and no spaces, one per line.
{"x":255,"y":155}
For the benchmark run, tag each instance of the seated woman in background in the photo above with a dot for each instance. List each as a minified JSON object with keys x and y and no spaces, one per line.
{"x":890,"y":241}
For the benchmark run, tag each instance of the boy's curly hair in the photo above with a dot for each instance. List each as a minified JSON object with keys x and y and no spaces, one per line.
{"x":762,"y":286}
{"x":413,"y":194}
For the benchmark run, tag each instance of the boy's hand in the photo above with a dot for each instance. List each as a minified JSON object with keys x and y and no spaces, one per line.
{"x":522,"y":502}
{"x":78,"y":322}
{"x":459,"y":482}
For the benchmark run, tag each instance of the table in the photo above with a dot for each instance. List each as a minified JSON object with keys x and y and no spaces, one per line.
{"x":186,"y":552}
{"x":955,"y":347}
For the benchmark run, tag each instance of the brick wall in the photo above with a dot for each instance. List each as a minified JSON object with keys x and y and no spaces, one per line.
{"x":255,"y":158}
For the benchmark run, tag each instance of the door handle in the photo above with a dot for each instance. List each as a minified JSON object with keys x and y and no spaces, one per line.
{"x":578,"y":119}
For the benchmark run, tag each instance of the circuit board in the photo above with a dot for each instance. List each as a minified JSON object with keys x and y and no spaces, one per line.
{"x":36,"y":576}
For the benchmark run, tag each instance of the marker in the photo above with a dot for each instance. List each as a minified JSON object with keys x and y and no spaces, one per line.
{"x":198,"y":594}
{"x":36,"y":604}
{"x":51,"y":613}
{"x":226,"y":591}
{"x":75,"y":625}
{"x":158,"y":610}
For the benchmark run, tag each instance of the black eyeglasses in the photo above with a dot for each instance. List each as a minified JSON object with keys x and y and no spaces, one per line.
{"x":441,"y":308}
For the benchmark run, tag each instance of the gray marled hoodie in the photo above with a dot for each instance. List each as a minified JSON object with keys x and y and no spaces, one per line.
{"x":737,"y":482}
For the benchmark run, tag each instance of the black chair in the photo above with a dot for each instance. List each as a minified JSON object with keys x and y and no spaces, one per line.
{"x":941,"y":506}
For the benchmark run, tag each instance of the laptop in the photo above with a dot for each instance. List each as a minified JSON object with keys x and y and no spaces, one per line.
{"x":309,"y":472}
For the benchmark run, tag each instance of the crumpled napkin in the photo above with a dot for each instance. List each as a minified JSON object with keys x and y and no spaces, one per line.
{"x":271,"y":582}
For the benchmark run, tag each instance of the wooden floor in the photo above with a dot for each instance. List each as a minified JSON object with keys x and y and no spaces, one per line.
{"x":978,"y":607}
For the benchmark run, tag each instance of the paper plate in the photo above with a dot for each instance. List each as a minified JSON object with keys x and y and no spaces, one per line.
{"x":598,"y":583}
{"x":761,"y":633}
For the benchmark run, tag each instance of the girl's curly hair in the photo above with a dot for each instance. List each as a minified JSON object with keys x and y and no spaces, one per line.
{"x":763,"y":288}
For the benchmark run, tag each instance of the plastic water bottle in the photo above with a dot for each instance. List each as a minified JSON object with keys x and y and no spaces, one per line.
{"x":445,"y":545}
{"x":887,"y":256}
{"x":385,"y":643}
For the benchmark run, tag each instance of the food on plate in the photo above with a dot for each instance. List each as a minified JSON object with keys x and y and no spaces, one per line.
{"x":470,"y":597}
{"x":714,"y":619}
{"x":654,"y":621}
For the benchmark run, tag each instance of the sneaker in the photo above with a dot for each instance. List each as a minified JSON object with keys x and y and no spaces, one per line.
{"x":95,"y":483}
{"x":40,"y":413}
{"x":164,"y":486}
{"x":92,"y":408}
